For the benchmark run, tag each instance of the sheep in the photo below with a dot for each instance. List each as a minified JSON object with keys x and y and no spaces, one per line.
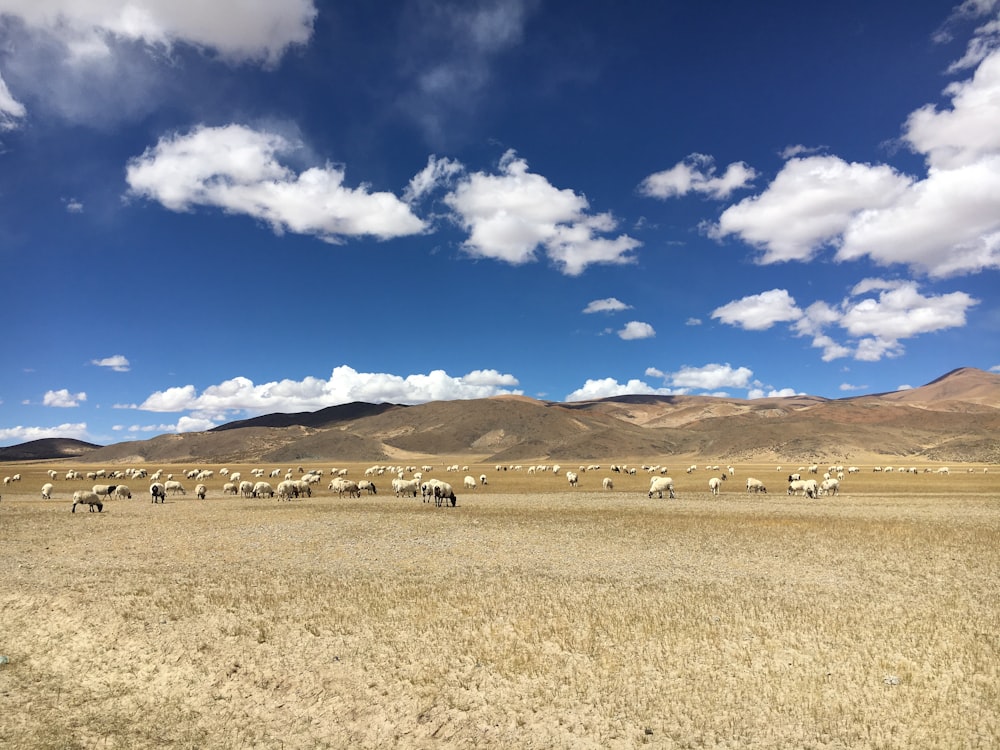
{"x":122,"y":492}
{"x":572,"y":478}
{"x":795,"y":486}
{"x":229,"y":489}
{"x":340,"y":486}
{"x":715,"y":484}
{"x":47,"y":491}
{"x":443,"y":494}
{"x":659,"y":484}
{"x":366,"y":485}
{"x":482,"y":480}
{"x":794,"y":477}
{"x":811,"y":488}
{"x":87,"y":497}
{"x":104,"y":490}
{"x":172,"y":485}
{"x":287,"y":490}
{"x":405,"y":487}
{"x":469,"y":483}
{"x":200,"y":491}
{"x":158,"y":490}
{"x":246,"y":488}
{"x":755,"y":486}
{"x":607,"y":484}
{"x":830,"y":486}
{"x":263,"y":488}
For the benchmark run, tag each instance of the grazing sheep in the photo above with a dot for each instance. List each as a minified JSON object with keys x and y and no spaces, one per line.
{"x":287,"y":490}
{"x":104,"y":490}
{"x":795,"y":486}
{"x":443,"y":494}
{"x":755,"y":486}
{"x":572,"y":478}
{"x":87,"y":497}
{"x":715,"y":484}
{"x":482,"y":480}
{"x":367,"y":486}
{"x":260,"y":489}
{"x":229,"y":488}
{"x":122,"y":492}
{"x":794,"y":477}
{"x":811,"y":488}
{"x":469,"y":483}
{"x":607,"y":483}
{"x":659,"y":484}
{"x":340,"y":486}
{"x":200,"y":491}
{"x":47,"y":491}
{"x":830,"y":486}
{"x":172,"y":485}
{"x":246,"y":488}
{"x":158,"y":492}
{"x":405,"y":487}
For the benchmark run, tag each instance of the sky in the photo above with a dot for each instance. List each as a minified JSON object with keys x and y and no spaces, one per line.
{"x":212,"y":211}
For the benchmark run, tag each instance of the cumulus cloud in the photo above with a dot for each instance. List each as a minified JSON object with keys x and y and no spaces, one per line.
{"x":21,"y":434}
{"x":944,"y":223}
{"x":696,"y":174}
{"x":63,"y":398}
{"x":608,"y":387}
{"x":610,"y":304}
{"x":236,"y":169}
{"x":513,"y":214}
{"x":438,"y":172}
{"x":758,"y":312}
{"x":117,"y":362}
{"x":711,"y":377}
{"x":99,"y":62}
{"x":635,"y":329}
{"x":344,"y":385}
{"x":875,"y":325}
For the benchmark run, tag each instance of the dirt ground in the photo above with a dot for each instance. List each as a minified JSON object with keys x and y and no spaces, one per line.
{"x":531,"y":615}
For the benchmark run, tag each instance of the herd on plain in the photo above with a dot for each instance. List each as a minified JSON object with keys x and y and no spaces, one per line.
{"x":806,"y":481}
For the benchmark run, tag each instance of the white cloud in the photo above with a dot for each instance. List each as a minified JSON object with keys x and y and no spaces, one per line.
{"x":237,"y":30}
{"x":635,"y":329}
{"x":438,"y":172}
{"x":343,"y":386}
{"x":848,"y":387}
{"x":696,"y":174}
{"x":942,"y":224}
{"x":874,"y":326}
{"x":63,"y":398}
{"x":711,"y":377}
{"x":236,"y":169}
{"x":610,"y":304}
{"x":653,"y":372}
{"x":809,"y":204}
{"x":758,"y":312}
{"x":608,"y":387}
{"x":73,"y":206}
{"x":510,"y":215}
{"x":20,"y":434}
{"x":11,"y":110}
{"x":772,"y":393}
{"x":117,"y":362}
{"x":692,"y":322}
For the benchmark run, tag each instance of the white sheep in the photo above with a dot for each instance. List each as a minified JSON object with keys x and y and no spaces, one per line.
{"x":469,"y":482}
{"x":482,"y":480}
{"x":87,"y":497}
{"x":172,"y":485}
{"x":715,"y":484}
{"x":229,"y":488}
{"x":811,"y":488}
{"x":405,"y":487}
{"x":260,"y":489}
{"x":830,"y":486}
{"x":368,"y":486}
{"x":661,"y":484}
{"x":607,"y":483}
{"x":443,"y":494}
{"x":246,"y":488}
{"x":200,"y":491}
{"x":755,"y":485}
{"x":122,"y":492}
{"x":572,"y":478}
{"x":104,"y":490}
{"x":47,"y":491}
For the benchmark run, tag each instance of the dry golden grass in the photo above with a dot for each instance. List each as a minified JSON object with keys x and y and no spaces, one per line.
{"x":530,"y":616}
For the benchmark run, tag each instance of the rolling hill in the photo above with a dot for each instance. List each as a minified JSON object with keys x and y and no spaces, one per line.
{"x":953,"y":418}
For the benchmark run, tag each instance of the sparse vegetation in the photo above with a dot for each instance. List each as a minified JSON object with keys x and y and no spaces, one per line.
{"x":529,"y":616}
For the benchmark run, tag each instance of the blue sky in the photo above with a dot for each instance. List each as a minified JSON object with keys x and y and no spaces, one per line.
{"x":210,"y":211}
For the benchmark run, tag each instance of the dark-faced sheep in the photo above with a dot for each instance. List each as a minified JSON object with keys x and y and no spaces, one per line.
{"x":158,"y":492}
{"x":87,"y":497}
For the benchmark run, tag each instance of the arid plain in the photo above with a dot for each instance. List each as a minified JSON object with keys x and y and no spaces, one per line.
{"x":532,"y":615}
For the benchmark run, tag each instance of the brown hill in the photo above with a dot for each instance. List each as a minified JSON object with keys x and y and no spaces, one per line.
{"x":965,"y":426}
{"x":46,"y":448}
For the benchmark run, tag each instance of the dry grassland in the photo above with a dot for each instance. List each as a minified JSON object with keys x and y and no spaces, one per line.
{"x":530,"y":616}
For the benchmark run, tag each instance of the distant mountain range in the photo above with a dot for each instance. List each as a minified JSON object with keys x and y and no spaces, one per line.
{"x":954,"y":418}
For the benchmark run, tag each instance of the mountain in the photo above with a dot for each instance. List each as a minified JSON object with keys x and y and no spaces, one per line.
{"x":953,"y":418}
{"x":46,"y":448}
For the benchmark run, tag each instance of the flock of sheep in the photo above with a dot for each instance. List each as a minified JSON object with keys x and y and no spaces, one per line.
{"x":408,"y":481}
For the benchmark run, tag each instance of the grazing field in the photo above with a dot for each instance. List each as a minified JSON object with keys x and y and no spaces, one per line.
{"x":532,"y":615}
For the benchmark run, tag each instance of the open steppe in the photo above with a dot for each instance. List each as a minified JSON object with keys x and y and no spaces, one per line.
{"x":532,"y":615}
